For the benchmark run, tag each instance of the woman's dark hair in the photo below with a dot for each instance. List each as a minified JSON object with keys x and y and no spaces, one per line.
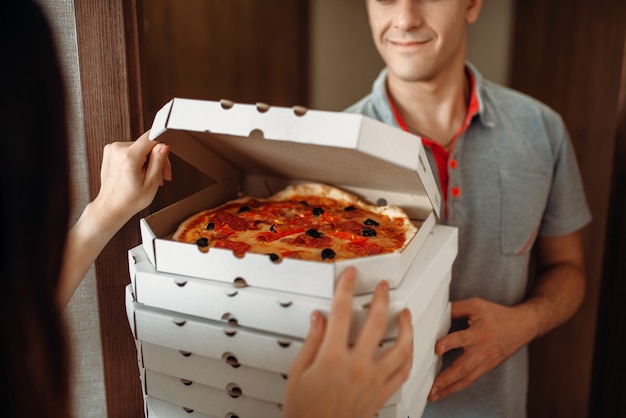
{"x":34,"y":176}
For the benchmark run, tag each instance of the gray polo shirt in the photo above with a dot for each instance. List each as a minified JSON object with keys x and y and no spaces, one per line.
{"x":515,"y":176}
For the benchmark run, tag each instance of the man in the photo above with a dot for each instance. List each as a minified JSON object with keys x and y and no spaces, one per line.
{"x":510,"y":183}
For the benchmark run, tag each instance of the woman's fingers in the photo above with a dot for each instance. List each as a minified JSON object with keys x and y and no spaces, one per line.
{"x":338,"y":327}
{"x":311,"y":345}
{"x":375,"y":323}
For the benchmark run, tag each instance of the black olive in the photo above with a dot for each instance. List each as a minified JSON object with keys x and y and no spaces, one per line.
{"x":313,"y":233}
{"x":368,"y":232}
{"x":328,"y":253}
{"x":202,"y":242}
{"x":318,"y":211}
{"x":349,"y":208}
{"x":210,"y":226}
{"x":274,"y":257}
{"x":370,"y":222}
{"x":272,"y":229}
{"x":243,"y":209}
{"x":303,"y":202}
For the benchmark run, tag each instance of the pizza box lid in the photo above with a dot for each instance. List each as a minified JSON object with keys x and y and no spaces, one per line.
{"x":226,"y":140}
{"x":258,"y":150}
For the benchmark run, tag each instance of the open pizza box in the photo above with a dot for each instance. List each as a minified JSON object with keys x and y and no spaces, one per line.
{"x":423,"y":289}
{"x":258,"y":150}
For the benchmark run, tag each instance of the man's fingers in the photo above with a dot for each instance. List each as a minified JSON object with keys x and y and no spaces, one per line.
{"x":463,"y":308}
{"x":462,"y":373}
{"x":457,"y":339}
{"x":454,"y":379}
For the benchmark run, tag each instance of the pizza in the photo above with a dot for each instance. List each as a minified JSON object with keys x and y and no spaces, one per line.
{"x":310,"y":221}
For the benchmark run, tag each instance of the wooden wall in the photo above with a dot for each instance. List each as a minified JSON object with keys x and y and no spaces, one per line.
{"x":241,"y":50}
{"x":608,"y":387}
{"x":569,"y":54}
{"x":107,"y":42}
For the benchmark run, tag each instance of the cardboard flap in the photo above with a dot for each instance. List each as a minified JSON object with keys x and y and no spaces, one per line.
{"x":225,"y":140}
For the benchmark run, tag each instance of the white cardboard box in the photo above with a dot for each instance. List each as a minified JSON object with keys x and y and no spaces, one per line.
{"x":213,"y":339}
{"x":270,"y":386}
{"x":286,"y":313}
{"x":254,"y":347}
{"x":258,"y":150}
{"x":175,"y":397}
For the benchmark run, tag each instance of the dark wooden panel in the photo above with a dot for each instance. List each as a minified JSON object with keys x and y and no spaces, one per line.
{"x":568,"y":53}
{"x":108,"y":55}
{"x":608,"y":390}
{"x":244,"y":50}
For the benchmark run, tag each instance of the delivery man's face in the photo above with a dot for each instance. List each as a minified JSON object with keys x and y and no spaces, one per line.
{"x":418,"y":39}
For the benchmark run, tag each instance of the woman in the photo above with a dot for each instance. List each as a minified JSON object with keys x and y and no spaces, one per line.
{"x":42,"y":264}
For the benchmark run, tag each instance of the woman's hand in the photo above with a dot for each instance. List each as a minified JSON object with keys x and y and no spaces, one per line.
{"x":131,"y":173}
{"x":331,"y":379}
{"x":130,"y":176}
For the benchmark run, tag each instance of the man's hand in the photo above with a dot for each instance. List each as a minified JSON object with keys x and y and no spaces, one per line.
{"x":494,"y":334}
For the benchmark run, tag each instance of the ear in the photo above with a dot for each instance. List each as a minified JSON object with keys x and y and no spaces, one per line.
{"x":473,"y":10}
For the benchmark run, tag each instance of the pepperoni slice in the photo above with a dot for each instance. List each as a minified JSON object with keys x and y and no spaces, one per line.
{"x":239,"y":248}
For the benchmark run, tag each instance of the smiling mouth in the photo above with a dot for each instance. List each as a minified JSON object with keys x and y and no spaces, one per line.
{"x":407,"y":43}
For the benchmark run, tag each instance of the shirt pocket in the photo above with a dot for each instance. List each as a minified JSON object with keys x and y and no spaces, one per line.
{"x":524,"y":197}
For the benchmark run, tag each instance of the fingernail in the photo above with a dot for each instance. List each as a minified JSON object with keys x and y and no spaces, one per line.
{"x":384,"y":284}
{"x":164,"y":148}
{"x":315,"y":319}
{"x":407,"y":313}
{"x":433,"y":394}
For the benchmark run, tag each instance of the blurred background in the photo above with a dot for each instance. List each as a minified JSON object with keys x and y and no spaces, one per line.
{"x":317,"y":53}
{"x":124,"y":59}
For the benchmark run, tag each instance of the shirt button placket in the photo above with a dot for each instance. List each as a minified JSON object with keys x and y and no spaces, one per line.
{"x":454,"y":190}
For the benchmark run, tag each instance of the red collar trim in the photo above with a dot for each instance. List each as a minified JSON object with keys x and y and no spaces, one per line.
{"x":440,"y":153}
{"x":472,"y":110}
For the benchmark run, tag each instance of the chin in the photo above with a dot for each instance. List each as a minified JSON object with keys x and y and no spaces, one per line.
{"x":410,"y":74}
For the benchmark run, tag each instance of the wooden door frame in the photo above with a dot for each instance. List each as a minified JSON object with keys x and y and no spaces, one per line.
{"x":568,"y":53}
{"x":607,"y":385}
{"x":108,"y":51}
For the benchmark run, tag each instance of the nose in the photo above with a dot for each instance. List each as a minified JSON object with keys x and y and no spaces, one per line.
{"x":408,"y":15}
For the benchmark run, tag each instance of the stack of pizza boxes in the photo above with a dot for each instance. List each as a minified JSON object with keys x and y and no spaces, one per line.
{"x":216,"y":334}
